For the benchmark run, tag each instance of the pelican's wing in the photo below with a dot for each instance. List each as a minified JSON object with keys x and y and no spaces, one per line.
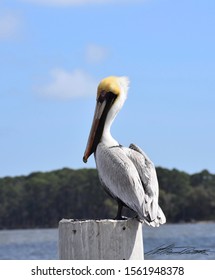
{"x":148,"y":176}
{"x":119,"y":175}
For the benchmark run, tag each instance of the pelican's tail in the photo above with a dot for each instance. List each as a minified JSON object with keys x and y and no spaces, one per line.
{"x":159,"y":220}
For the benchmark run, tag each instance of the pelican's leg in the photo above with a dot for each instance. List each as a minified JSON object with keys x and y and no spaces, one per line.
{"x":119,"y":212}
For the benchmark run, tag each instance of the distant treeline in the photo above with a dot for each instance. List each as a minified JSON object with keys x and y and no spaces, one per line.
{"x":42,"y":199}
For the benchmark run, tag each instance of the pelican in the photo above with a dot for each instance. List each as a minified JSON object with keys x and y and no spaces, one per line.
{"x":127,"y":174}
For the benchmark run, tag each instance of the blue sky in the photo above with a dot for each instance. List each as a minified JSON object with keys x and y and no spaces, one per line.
{"x":54,"y":52}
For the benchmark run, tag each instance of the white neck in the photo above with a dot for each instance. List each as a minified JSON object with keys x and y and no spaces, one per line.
{"x":107,"y":138}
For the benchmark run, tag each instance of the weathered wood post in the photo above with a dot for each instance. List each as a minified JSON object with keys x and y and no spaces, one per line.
{"x":100,"y":240}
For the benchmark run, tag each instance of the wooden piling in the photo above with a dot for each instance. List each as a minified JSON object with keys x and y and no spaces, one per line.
{"x":100,"y":240}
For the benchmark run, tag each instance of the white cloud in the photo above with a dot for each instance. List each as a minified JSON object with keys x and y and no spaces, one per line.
{"x":78,"y":2}
{"x":95,"y":53}
{"x":67,"y":85}
{"x":9,"y":25}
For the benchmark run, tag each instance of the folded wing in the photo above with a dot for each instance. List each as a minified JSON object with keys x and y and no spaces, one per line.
{"x":130,"y":176}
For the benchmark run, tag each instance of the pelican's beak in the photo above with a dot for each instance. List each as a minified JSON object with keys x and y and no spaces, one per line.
{"x":104,"y":103}
{"x":95,"y":132}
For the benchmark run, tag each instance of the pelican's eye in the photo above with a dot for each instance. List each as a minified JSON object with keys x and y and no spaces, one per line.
{"x":102,"y":96}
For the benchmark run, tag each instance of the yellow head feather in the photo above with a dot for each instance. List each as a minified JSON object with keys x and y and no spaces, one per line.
{"x":109,"y":84}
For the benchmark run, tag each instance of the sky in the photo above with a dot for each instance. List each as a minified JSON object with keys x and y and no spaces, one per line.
{"x":53,"y":53}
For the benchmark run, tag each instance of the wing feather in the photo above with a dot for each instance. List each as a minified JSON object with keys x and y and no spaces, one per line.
{"x":147,"y":173}
{"x":122,"y":176}
{"x":115,"y":169}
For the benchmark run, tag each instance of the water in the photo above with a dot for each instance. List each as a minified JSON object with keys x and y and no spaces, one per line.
{"x":180,"y":241}
{"x":29,"y":244}
{"x":170,"y":241}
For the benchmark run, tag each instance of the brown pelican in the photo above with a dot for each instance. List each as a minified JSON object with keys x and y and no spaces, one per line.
{"x":127,"y":174}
